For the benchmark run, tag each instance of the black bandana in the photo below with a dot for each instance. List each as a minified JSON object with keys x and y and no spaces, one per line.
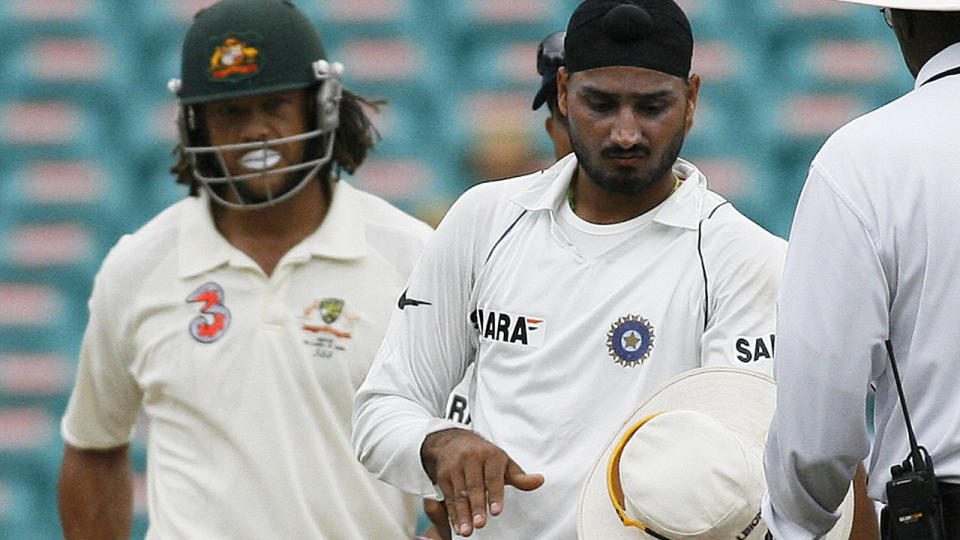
{"x":652,"y":34}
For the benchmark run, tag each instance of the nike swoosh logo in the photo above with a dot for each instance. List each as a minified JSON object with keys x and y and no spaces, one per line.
{"x":404,"y":301}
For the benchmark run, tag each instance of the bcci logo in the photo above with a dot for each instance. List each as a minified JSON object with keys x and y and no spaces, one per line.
{"x":630,"y":340}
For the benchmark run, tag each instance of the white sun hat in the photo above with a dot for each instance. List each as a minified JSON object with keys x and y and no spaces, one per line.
{"x":916,"y":5}
{"x":688,"y":464}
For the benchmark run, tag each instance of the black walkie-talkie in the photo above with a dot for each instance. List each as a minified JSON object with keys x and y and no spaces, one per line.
{"x":913,"y":501}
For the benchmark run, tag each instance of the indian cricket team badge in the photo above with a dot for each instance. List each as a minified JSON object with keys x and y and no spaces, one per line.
{"x":327,"y":327}
{"x":630,"y":340}
{"x":214,"y":318}
{"x":233,"y":59}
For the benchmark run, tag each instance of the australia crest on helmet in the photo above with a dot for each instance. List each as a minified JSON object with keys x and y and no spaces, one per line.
{"x":234,"y":58}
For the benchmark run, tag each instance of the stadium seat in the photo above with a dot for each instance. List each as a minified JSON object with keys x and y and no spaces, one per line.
{"x":510,"y":64}
{"x":795,"y":125}
{"x":49,"y":188}
{"x":92,"y":185}
{"x":516,"y":18}
{"x":360,"y":12}
{"x":29,"y":17}
{"x":37,"y":314}
{"x":786,"y":20}
{"x":38,"y":377}
{"x":30,"y":451}
{"x":714,"y":18}
{"x":813,"y":115}
{"x":396,"y":179}
{"x":722,"y":122}
{"x":495,"y":110}
{"x":340,"y":20}
{"x":81,"y":67}
{"x":386,"y":62}
{"x":35,"y":125}
{"x":404,"y":125}
{"x":150,"y":151}
{"x":161,"y":21}
{"x":64,"y":253}
{"x":865,"y":66}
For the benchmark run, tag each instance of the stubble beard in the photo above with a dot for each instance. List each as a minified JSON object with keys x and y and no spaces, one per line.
{"x":628,"y":181}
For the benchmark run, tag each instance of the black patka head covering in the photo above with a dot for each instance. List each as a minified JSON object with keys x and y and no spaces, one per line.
{"x":652,"y":34}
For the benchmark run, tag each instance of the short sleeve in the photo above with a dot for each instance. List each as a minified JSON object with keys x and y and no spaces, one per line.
{"x":105,"y":403}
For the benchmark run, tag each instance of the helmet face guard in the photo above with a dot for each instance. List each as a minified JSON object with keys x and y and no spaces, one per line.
{"x":327,"y":108}
{"x":242,"y":48}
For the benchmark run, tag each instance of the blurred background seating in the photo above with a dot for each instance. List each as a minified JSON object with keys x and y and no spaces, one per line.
{"x":87,"y":126}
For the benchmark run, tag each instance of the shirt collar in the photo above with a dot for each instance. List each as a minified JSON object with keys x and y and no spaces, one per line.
{"x":681,"y":209}
{"x":200,"y":244}
{"x":944,"y":60}
{"x":340,"y":236}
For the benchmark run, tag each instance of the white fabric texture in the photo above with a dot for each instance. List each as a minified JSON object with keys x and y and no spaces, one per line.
{"x":565,"y":346}
{"x":249,"y":433}
{"x":873,"y":256}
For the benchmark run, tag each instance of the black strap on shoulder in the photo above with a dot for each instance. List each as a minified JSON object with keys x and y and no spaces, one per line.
{"x":504,"y":235}
{"x":703,"y":265}
{"x":948,"y":73}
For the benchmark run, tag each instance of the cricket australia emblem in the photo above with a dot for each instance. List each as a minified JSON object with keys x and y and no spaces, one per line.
{"x":327,"y":327}
{"x":630,"y":340}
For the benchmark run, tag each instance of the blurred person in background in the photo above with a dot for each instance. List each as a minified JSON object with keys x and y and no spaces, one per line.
{"x":573,"y":292}
{"x":508,"y":150}
{"x":872,"y":264}
{"x":549,"y":60}
{"x":243,"y":318}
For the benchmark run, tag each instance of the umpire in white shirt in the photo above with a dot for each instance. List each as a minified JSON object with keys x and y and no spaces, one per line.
{"x":873,"y":256}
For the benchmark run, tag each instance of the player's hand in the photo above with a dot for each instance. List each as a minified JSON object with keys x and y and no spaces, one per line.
{"x":437,"y":513}
{"x":471,"y":473}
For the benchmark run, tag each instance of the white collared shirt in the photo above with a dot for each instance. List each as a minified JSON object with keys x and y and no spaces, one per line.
{"x":873,"y":256}
{"x":248,"y":380}
{"x":565,"y":345}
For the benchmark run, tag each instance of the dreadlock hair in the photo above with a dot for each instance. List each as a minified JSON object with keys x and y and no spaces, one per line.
{"x":354,"y":137}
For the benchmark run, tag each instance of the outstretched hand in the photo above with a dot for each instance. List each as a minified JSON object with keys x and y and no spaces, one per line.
{"x":471,"y":473}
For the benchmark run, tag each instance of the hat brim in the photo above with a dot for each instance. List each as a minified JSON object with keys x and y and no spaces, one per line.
{"x":548,"y":87}
{"x":915,"y":5}
{"x":742,"y":400}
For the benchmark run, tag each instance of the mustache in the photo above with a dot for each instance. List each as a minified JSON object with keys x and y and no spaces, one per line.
{"x":635,"y":151}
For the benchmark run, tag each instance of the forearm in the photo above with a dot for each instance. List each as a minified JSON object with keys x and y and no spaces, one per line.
{"x":865,"y":525}
{"x":388,"y":433}
{"x":95,"y":494}
{"x":832,"y":322}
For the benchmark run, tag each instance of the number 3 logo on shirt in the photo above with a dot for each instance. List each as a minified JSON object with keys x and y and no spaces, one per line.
{"x":203,"y":328}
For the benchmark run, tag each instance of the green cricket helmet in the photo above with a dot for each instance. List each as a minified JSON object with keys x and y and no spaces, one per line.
{"x":242,"y":48}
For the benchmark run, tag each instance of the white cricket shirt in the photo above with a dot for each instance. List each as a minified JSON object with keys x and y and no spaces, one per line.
{"x":565,"y":346}
{"x":248,"y":380}
{"x":873,"y":256}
